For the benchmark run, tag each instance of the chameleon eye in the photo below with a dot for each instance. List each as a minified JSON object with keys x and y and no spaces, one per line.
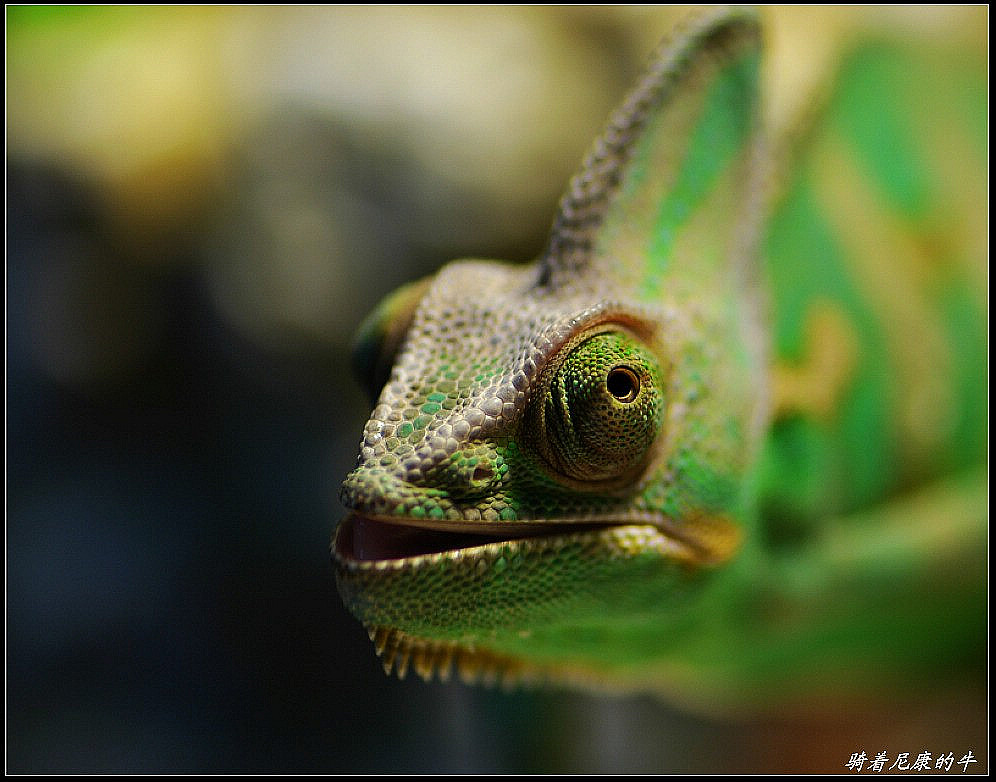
{"x":623,"y":383}
{"x":602,"y":408}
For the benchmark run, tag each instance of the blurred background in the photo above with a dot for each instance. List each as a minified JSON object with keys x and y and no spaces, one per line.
{"x":202,"y":204}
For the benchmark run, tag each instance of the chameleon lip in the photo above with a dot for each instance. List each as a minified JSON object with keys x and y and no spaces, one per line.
{"x":361,"y":538}
{"x":366,"y":540}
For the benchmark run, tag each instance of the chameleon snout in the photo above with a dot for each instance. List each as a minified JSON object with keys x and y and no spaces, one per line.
{"x":429,"y":487}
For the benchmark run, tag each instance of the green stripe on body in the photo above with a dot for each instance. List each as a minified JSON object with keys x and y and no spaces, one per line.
{"x":819,"y":466}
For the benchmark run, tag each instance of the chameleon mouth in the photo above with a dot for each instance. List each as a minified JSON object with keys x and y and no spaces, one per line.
{"x":364,"y":539}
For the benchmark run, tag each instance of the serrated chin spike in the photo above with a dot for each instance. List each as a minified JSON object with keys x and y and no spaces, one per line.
{"x":379,"y":636}
{"x":400,"y":653}
{"x":468,"y":667}
{"x":401,"y":662}
{"x":444,"y":664}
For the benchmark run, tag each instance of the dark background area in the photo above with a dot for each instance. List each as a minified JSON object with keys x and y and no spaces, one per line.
{"x":201,"y":206}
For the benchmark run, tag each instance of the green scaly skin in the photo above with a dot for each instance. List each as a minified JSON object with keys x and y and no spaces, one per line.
{"x":706,"y":446}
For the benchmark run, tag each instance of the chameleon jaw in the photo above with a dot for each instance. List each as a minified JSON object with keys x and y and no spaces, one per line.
{"x":380,"y":565}
{"x":369,"y":552}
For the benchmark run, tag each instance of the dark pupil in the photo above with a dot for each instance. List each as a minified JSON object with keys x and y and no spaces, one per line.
{"x":623,"y":384}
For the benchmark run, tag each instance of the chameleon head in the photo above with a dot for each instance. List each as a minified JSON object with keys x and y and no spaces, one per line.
{"x":530,"y":456}
{"x":566,"y":441}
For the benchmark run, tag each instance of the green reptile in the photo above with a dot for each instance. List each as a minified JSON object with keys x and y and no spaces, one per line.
{"x":726,"y":438}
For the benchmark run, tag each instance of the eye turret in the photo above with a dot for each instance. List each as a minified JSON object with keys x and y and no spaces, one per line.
{"x":601,"y":408}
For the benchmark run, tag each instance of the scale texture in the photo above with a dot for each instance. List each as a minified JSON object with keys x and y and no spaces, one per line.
{"x":730,"y":420}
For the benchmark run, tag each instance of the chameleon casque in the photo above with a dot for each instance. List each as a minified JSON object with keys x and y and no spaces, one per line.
{"x":726,"y":438}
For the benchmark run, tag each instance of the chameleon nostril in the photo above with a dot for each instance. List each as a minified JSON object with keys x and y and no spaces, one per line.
{"x":482,"y":472}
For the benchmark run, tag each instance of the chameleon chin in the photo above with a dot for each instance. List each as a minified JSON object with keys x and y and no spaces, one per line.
{"x":725,"y":439}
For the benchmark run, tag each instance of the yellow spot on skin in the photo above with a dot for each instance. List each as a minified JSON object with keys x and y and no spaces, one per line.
{"x":716,"y":537}
{"x":815,"y":386}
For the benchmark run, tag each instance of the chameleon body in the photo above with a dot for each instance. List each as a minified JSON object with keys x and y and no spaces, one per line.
{"x":711,"y":443}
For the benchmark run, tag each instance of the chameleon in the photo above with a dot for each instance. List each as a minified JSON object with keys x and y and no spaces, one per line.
{"x":725,"y":439}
